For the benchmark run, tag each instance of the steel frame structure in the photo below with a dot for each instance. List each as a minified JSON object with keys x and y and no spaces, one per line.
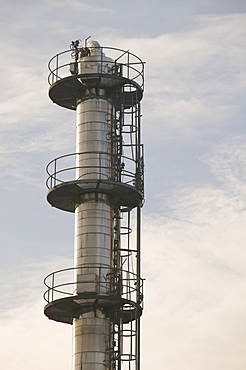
{"x":103,"y":184}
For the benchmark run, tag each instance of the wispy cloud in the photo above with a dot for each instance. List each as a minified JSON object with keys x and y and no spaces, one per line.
{"x":23,"y":322}
{"x":78,"y":6}
{"x":195,"y":77}
{"x":196,"y":289}
{"x":227,"y":161}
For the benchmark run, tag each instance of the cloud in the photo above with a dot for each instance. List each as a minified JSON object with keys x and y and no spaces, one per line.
{"x":78,"y":6}
{"x":195,"y":77}
{"x":227,"y":162}
{"x":193,"y":258}
{"x":34,"y":340}
{"x":25,"y":331}
{"x":23,"y":81}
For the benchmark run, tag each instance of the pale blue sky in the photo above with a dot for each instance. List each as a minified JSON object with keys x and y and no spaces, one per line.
{"x":195,"y":154}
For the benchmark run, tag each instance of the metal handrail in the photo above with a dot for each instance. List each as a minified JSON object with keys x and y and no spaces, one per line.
{"x":128,"y":282}
{"x":127,"y":176}
{"x":56,"y":67}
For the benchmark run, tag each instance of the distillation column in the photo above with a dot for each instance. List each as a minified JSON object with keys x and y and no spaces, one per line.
{"x":93,"y":217}
{"x":103,"y":299}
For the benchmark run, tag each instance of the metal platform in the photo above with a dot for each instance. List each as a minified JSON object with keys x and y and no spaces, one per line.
{"x":68,"y":90}
{"x":66,"y":309}
{"x":122,"y":71}
{"x":117,"y":293}
{"x":68,"y":194}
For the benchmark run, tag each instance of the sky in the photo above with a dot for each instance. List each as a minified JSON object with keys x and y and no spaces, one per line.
{"x":193,"y":129}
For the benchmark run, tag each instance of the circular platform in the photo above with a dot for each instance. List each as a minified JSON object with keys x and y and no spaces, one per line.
{"x":66,"y":91}
{"x":66,"y":309}
{"x":68,"y":195}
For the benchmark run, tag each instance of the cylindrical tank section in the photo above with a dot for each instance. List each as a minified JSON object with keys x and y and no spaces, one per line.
{"x":93,"y":217}
{"x":103,"y":188}
{"x":90,"y":341}
{"x":94,"y":232}
{"x":93,"y":137}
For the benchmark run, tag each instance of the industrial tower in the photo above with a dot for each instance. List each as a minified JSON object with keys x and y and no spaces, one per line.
{"x":102,"y":183}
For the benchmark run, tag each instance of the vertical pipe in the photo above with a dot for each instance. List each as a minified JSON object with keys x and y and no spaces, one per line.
{"x":138,"y":286}
{"x":138,"y":243}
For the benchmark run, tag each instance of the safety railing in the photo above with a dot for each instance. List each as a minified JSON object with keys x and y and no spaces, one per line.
{"x":100,"y":280}
{"x":124,"y":64}
{"x":93,"y":165}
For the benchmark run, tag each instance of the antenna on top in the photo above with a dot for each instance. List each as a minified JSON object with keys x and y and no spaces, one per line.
{"x":86,"y":40}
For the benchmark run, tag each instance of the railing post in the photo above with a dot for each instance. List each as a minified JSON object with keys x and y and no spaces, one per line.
{"x":48,"y":291}
{"x":57,"y":67}
{"x":52,"y":286}
{"x":55,"y":173}
{"x":128,"y":67}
